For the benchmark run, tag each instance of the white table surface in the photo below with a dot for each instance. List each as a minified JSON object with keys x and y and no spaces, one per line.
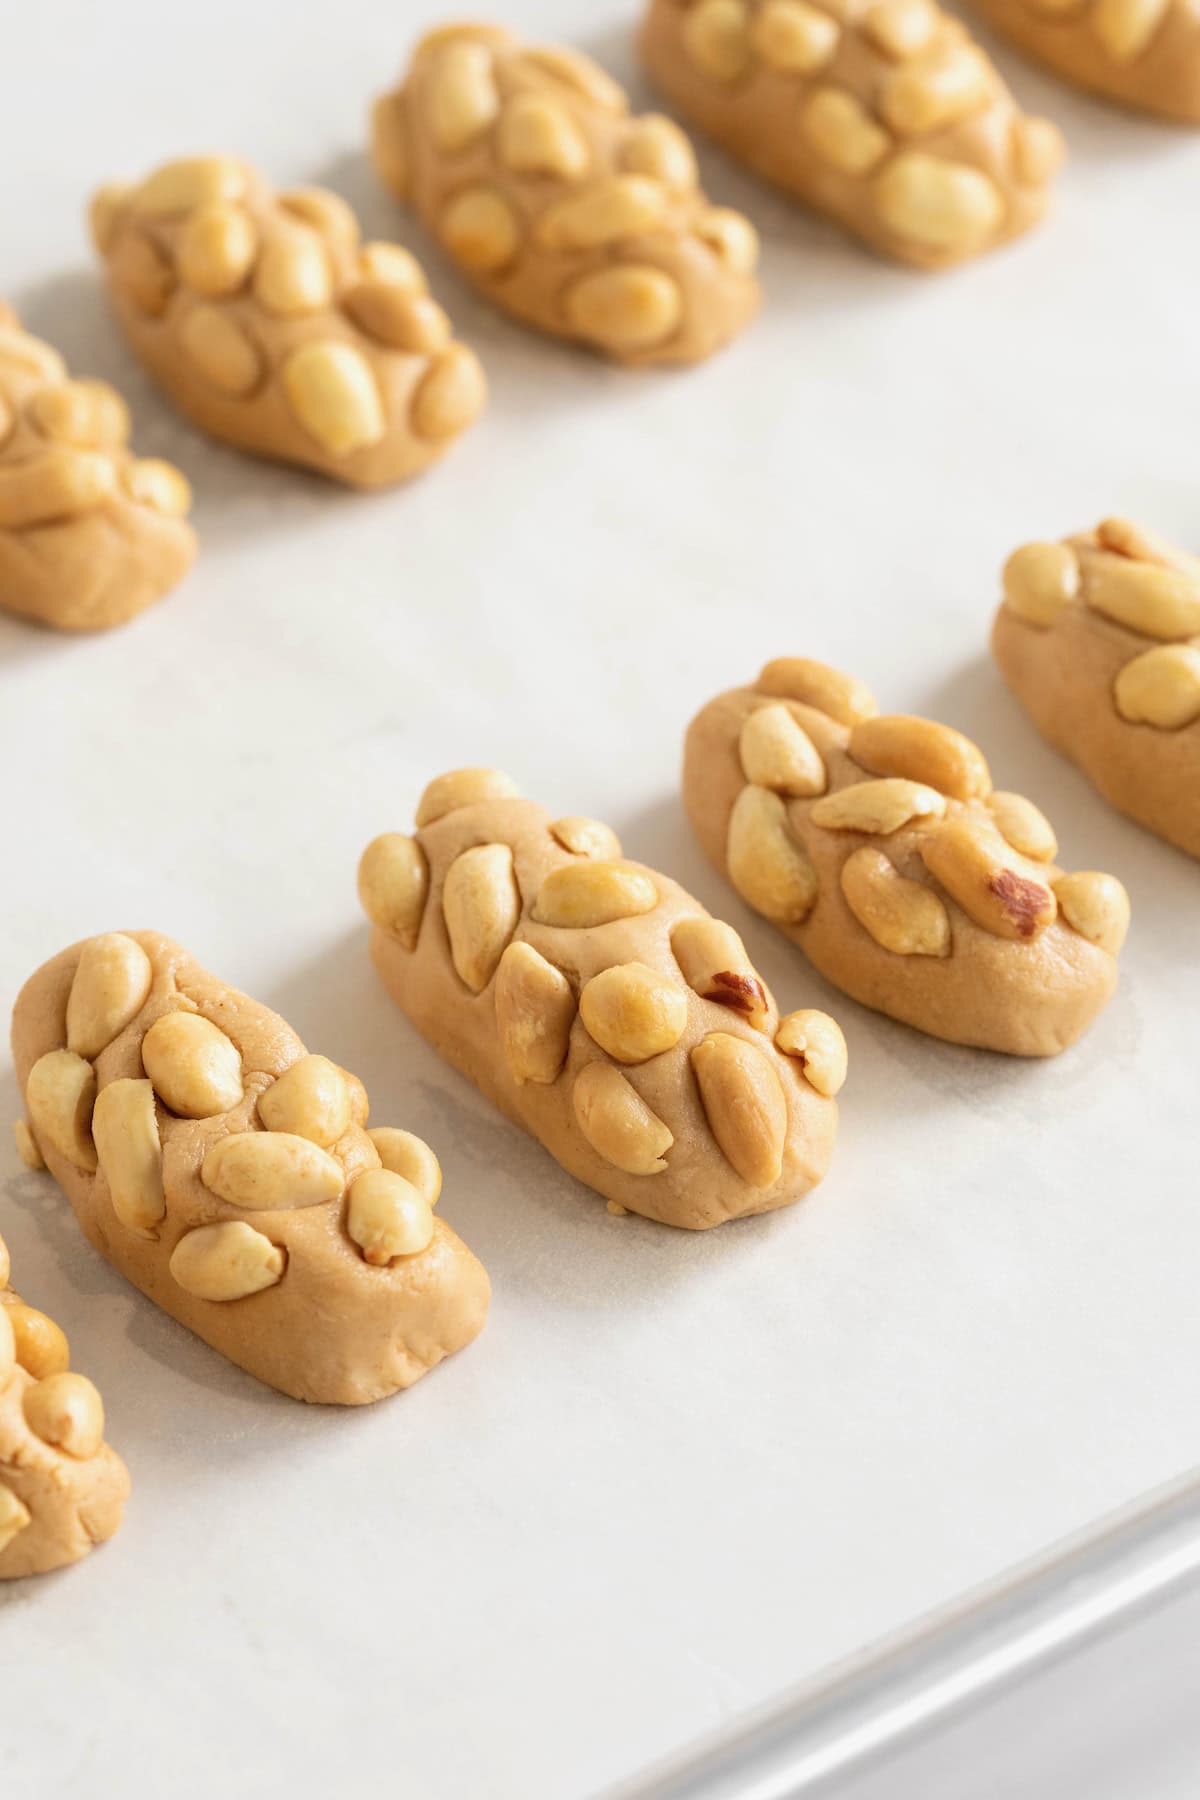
{"x":677,"y":1473}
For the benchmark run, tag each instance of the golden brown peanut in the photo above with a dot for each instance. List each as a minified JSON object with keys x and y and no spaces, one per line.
{"x":481,"y":231}
{"x":151,"y":482}
{"x":60,"y":1094}
{"x":901,"y":915}
{"x":921,"y":750}
{"x":622,"y":206}
{"x":195,"y":1068}
{"x":481,"y":905}
{"x":625,"y":309}
{"x":389,"y":145}
{"x":1161,"y":687}
{"x":226,"y":1262}
{"x":1126,"y":27}
{"x":220,"y":351}
{"x":578,"y":895}
{"x":332,"y":391}
{"x":463,"y":100}
{"x":396,"y":316}
{"x":141,"y":275}
{"x":191,"y":182}
{"x":60,"y":484}
{"x":939,"y":206}
{"x":29,"y":1154}
{"x":393,"y":885}
{"x":880,"y":807}
{"x":744,"y":1104}
{"x":538,"y":136}
{"x":767,"y":865}
{"x":731,"y":237}
{"x":778,"y":753}
{"x":293,"y":276}
{"x":88,"y":414}
{"x":217,"y":250}
{"x":1038,"y":150}
{"x":931,"y":95}
{"x":587,"y":837}
{"x":716,"y":38}
{"x":1024,"y":826}
{"x":969,"y":861}
{"x":104,"y":212}
{"x":393,"y":264}
{"x":271,"y":1171}
{"x":110,"y":988}
{"x":1158,"y":602}
{"x":22,"y":352}
{"x":125,"y":1128}
{"x":818,"y":1044}
{"x":1096,"y":906}
{"x":843,"y":697}
{"x":841,"y":131}
{"x":463,"y":787}
{"x":41,"y":1345}
{"x":387,"y":1217}
{"x":535,"y":1009}
{"x":901,"y":28}
{"x":1132,"y":540}
{"x":633,"y":1012}
{"x":793,"y":36}
{"x":617,"y":1123}
{"x":570,"y":70}
{"x":66,"y":1411}
{"x":654,"y":145}
{"x":450,"y":396}
{"x":1040,"y":580}
{"x":326,"y":212}
{"x":406,"y":1154}
{"x":713,"y":961}
{"x":309,"y":1100}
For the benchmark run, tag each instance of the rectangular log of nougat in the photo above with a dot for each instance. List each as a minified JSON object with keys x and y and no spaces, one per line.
{"x":600,"y":1006}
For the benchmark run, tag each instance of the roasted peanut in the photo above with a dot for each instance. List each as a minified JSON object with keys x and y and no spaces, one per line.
{"x":929,"y":96}
{"x":535,"y":1010}
{"x":220,"y":350}
{"x":463,"y":787}
{"x":1161,"y":687}
{"x":969,"y":861}
{"x":88,"y":414}
{"x":480,"y":230}
{"x":901,"y":28}
{"x":714,"y":964}
{"x":579,"y":895}
{"x":843,"y":697}
{"x":195,"y":1068}
{"x":655,"y":145}
{"x":271,"y":1171}
{"x":450,"y":395}
{"x":27,"y":1149}
{"x":539,"y":136}
{"x":943,"y":207}
{"x":625,"y":309}
{"x":226,"y":1262}
{"x":125,"y":1127}
{"x":309,"y":1100}
{"x":157,"y":484}
{"x":818,"y":1044}
{"x":744,"y":1104}
{"x":393,"y":885}
{"x":41,"y":1345}
{"x":217,"y":249}
{"x":1126,"y":27}
{"x":332,"y":391}
{"x":410,"y":1156}
{"x":842,"y":132}
{"x":617,"y":1123}
{"x":191,"y":182}
{"x":716,"y":38}
{"x":1021,"y":824}
{"x":326,"y":212}
{"x":587,"y":837}
{"x":293,"y":276}
{"x":901,"y":915}
{"x":622,"y":206}
{"x":778,"y":753}
{"x":66,"y":1412}
{"x":387,"y":1217}
{"x":463,"y":99}
{"x":881,"y":807}
{"x":767,"y":865}
{"x":481,"y":906}
{"x":110,"y":988}
{"x":60,"y":484}
{"x":1096,"y":906}
{"x":792,"y":36}
{"x":1158,"y":602}
{"x":633,"y":1012}
{"x":60,"y":1094}
{"x":923,"y":751}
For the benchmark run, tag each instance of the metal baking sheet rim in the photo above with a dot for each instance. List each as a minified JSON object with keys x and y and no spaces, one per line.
{"x":935,"y":1670}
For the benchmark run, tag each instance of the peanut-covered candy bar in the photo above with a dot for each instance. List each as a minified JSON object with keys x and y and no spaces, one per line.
{"x":599,"y":1006}
{"x":566,"y":211}
{"x":90,"y":534}
{"x":879,"y":845}
{"x":1099,"y":638}
{"x":62,"y":1490}
{"x":1144,"y":53}
{"x":230,"y":1176}
{"x":270,"y":326}
{"x":884,"y":116}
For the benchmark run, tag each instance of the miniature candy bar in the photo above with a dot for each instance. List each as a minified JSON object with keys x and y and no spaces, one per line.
{"x":886,"y":117}
{"x":880,"y":847}
{"x":599,"y":1006}
{"x":1145,"y":53}
{"x":62,"y":1490}
{"x":89,"y":533}
{"x":571,"y":214}
{"x":229,"y":1174}
{"x":1099,"y":638}
{"x":270,"y":326}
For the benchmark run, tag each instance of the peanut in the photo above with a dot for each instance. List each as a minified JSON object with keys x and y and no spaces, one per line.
{"x":393,"y":885}
{"x":1161,"y":687}
{"x":387,"y":1217}
{"x":394,"y":265}
{"x":716,"y":38}
{"x":968,"y":859}
{"x":535,"y":1009}
{"x":901,"y":28}
{"x":60,"y":1095}
{"x":31,"y":1156}
{"x":125,"y":1127}
{"x":59,"y":484}
{"x":397,"y":317}
{"x":932,"y":95}
{"x":41,"y":1345}
{"x":111,"y":985}
{"x":923,"y":751}
{"x":360,"y":1106}
{"x":406,"y":1154}
{"x":389,"y":143}
{"x":587,"y":837}
{"x":778,"y":753}
{"x":149,"y":481}
{"x":633,"y":1012}
{"x":271,"y":1171}
{"x":89,"y":414}
{"x":1040,"y":582}
{"x":30,"y":355}
{"x":1096,"y":906}
{"x":744,"y":1104}
{"x":293,"y":276}
{"x":901,"y":915}
{"x":1126,"y":27}
{"x":1135,"y":541}
{"x":629,"y":308}
{"x":480,"y":230}
{"x":195,"y":1068}
{"x":331,"y":388}
{"x":793,"y":37}
{"x":731,"y":237}
{"x":105,"y":210}
{"x":142,"y":274}
{"x":1024,"y":826}
{"x":842,"y":697}
{"x":842,"y":131}
{"x":216,"y":250}
{"x":881,"y":807}
{"x":941,"y":206}
{"x":226,"y":1262}
{"x":451,"y":394}
{"x":580,"y":895}
{"x":818,"y":1044}
{"x":620,"y":206}
{"x":14,"y":1516}
{"x":1038,"y":150}
{"x":654,"y":145}
{"x":463,"y":787}
{"x":617,"y":1123}
{"x":66,"y":1412}
{"x":767,"y":866}
{"x":539,"y":137}
{"x":1158,"y":602}
{"x":580,"y":74}
{"x":221,"y":351}
{"x":463,"y":99}
{"x":327,"y":213}
{"x":309,"y":1100}
{"x":192,"y":182}
{"x":481,"y":905}
{"x":713,"y":962}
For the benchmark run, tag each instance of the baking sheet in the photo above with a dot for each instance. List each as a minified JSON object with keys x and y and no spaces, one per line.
{"x":677,"y":1474}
